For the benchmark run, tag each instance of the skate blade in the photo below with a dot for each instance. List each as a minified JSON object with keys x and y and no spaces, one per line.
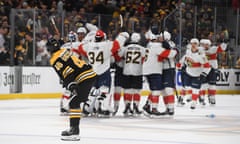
{"x":71,"y":138}
{"x":147,"y":114}
{"x":103,"y":116}
{"x":128,"y":115}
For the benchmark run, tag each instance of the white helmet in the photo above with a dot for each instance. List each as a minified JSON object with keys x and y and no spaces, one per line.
{"x":194,"y":40}
{"x":166,"y":34}
{"x":208,"y":42}
{"x":135,"y":37}
{"x":81,"y":30}
{"x":202,"y":41}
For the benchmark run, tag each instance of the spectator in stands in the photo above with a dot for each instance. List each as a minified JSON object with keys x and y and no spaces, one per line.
{"x":20,"y":50}
{"x":4,"y":50}
{"x":238,"y":63}
{"x":43,"y":55}
{"x":205,"y":16}
{"x":29,"y":48}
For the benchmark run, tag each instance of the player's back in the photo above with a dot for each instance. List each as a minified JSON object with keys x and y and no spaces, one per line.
{"x":151,"y":64}
{"x":99,"y":55}
{"x":133,"y":54}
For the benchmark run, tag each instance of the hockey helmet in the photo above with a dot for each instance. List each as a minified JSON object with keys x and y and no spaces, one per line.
{"x":194,"y":40}
{"x":208,"y":42}
{"x":53,"y":45}
{"x":82,"y":30}
{"x":99,"y":36}
{"x":135,"y":37}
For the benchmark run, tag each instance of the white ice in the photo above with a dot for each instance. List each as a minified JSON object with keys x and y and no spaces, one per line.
{"x":37,"y":121}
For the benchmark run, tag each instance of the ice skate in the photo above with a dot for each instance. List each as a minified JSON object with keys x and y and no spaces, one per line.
{"x":103,"y":113}
{"x":86,"y":109}
{"x":169,"y":111}
{"x":116,"y":107}
{"x":71,"y":135}
{"x":193,"y":105}
{"x":155,"y":113}
{"x":189,"y":100}
{"x":136,"y":111}
{"x":212,"y":100}
{"x":128,"y":112}
{"x":180,"y":101}
{"x":147,"y":109}
{"x":202,"y":101}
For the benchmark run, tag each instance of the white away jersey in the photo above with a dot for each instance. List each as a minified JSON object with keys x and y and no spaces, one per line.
{"x":194,"y":62}
{"x":133,"y":55}
{"x":212,"y":52}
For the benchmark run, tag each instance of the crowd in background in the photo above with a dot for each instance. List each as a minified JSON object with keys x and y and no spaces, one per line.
{"x":138,"y":15}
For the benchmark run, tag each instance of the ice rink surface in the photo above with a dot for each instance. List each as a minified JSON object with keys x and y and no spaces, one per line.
{"x":37,"y":121}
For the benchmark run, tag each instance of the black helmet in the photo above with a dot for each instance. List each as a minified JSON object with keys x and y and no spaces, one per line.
{"x":53,"y":45}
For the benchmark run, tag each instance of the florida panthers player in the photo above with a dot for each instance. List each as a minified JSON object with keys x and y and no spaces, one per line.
{"x":168,"y":74}
{"x":152,"y":70}
{"x":99,"y":54}
{"x":133,"y":55}
{"x":210,"y":78}
{"x":194,"y":60}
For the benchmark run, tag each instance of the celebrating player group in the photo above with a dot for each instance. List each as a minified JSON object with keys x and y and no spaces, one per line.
{"x":88,"y":63}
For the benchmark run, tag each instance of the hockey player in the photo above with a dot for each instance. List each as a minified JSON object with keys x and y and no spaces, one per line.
{"x":210,"y":78}
{"x":152,"y":70}
{"x":133,"y":55}
{"x":81,"y":34}
{"x":118,"y":84}
{"x":99,"y":54}
{"x":168,"y":74}
{"x":78,"y":77}
{"x":74,"y":40}
{"x":194,"y":61}
{"x":185,"y":89}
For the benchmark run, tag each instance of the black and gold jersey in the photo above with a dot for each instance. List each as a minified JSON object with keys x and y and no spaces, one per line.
{"x":70,"y":68}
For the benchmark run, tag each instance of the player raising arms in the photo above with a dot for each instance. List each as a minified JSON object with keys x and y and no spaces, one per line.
{"x":99,"y":54}
{"x":211,"y":53}
{"x":78,"y":77}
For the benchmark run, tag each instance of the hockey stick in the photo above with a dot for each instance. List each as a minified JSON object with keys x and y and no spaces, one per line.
{"x":121,"y":20}
{"x":54,"y":26}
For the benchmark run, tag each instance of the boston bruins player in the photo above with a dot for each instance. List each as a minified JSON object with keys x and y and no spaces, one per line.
{"x":78,"y":77}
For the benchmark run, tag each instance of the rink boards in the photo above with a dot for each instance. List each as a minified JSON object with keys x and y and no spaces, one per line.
{"x":43,"y":82}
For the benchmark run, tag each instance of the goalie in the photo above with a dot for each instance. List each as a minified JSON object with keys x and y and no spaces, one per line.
{"x":78,"y":77}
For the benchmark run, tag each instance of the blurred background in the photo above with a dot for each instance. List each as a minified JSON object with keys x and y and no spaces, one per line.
{"x":25,"y":26}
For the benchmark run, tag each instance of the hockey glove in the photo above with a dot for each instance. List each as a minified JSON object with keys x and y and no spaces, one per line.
{"x":81,"y":23}
{"x":166,"y":45}
{"x":203,"y":77}
{"x":217,"y":72}
{"x":73,"y":88}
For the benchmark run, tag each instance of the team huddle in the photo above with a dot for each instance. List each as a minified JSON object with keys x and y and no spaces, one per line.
{"x":84,"y":66}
